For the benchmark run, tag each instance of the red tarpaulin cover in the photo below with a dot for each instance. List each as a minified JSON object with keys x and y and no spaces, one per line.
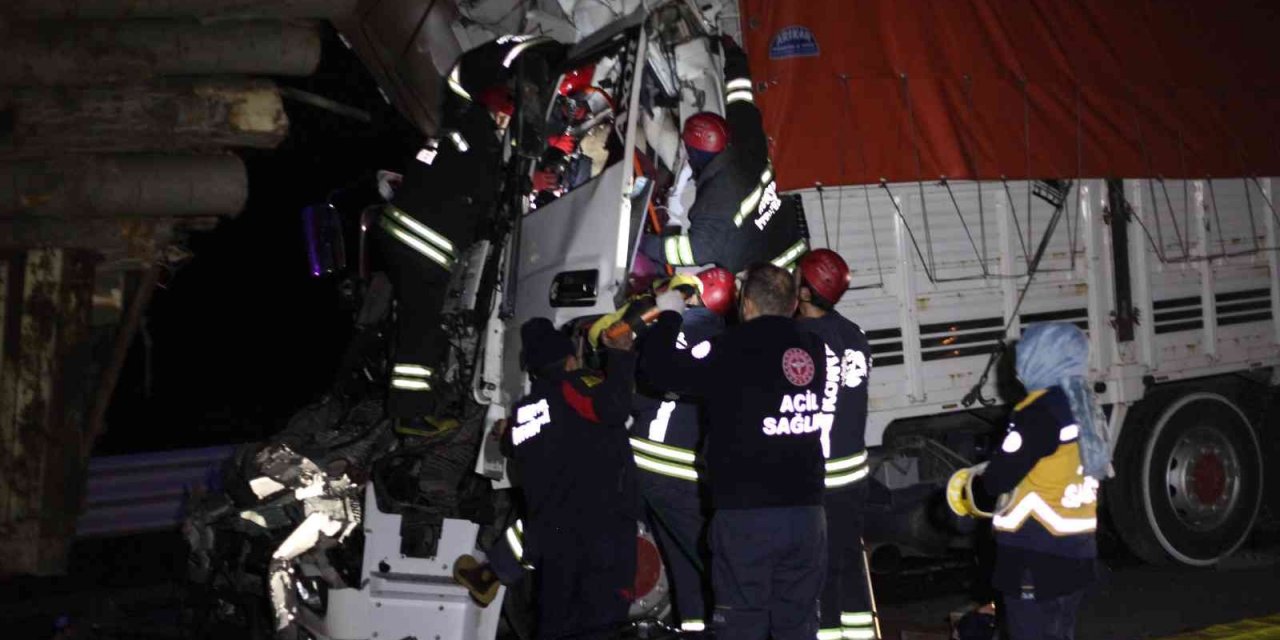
{"x":862,"y":90}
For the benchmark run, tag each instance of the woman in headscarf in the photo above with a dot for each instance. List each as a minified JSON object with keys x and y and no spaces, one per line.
{"x":1040,"y":487}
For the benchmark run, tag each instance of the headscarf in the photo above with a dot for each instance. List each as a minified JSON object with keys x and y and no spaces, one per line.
{"x":1057,"y":354}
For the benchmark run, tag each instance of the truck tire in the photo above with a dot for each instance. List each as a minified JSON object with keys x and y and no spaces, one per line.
{"x":1189,"y":479}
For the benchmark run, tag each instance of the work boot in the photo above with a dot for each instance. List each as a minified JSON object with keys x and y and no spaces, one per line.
{"x":477,"y":577}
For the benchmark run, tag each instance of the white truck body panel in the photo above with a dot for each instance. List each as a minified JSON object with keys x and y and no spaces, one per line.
{"x":933,"y":308}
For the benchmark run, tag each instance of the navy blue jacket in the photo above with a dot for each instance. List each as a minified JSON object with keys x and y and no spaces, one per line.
{"x":666,"y":431}
{"x":845,"y":445}
{"x":569,"y":440}
{"x":762,"y":386}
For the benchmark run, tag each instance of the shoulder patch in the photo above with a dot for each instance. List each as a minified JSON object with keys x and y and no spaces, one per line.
{"x":580,"y":402}
{"x":591,"y":381}
{"x":797,"y":366}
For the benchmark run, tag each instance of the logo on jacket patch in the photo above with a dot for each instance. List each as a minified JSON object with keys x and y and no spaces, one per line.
{"x":794,"y":41}
{"x":797,"y":366}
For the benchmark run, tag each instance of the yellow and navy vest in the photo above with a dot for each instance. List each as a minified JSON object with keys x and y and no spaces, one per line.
{"x":1054,"y":509}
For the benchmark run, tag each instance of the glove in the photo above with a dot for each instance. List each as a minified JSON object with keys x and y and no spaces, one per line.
{"x":960,"y":492}
{"x":670,"y":300}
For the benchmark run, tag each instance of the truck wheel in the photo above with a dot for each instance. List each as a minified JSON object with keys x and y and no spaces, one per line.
{"x":1189,"y":479}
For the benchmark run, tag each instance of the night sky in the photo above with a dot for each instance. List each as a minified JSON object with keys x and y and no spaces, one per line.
{"x":242,"y":336}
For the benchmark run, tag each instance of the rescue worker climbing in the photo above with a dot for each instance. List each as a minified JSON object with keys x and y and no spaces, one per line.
{"x":737,"y":217}
{"x":446,"y":200}
{"x":569,"y":441}
{"x":666,"y":434}
{"x":1040,"y":487}
{"x":848,"y":609}
{"x":761,"y":387}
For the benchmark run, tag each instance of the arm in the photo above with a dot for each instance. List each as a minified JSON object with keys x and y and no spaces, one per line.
{"x":1019,"y":452}
{"x":606,"y":401}
{"x":668,"y":368}
{"x":745,"y":124}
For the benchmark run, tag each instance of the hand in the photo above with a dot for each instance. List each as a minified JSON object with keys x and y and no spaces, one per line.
{"x":671,"y":300}
{"x":617,"y":338}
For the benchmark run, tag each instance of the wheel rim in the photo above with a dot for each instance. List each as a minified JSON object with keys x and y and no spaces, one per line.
{"x":1202,"y":478}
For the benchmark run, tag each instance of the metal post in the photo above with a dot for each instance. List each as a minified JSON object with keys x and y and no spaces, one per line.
{"x":1273,"y":260}
{"x":1140,"y":295}
{"x":1008,"y":264}
{"x":908,"y":312}
{"x":1208,"y":310}
{"x":1096,"y":276}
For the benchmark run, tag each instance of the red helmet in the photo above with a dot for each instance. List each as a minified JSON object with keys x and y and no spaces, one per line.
{"x":497,"y":99}
{"x":706,"y":132}
{"x":718,"y":289}
{"x":825,"y":273}
{"x":577,"y":80}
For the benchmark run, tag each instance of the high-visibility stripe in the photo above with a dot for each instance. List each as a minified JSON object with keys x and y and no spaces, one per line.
{"x":748,"y":205}
{"x":790,"y":255}
{"x":858,"y":634}
{"x":412,"y":370}
{"x":455,"y":83}
{"x":515,"y":539}
{"x":427,"y":233}
{"x":829,"y":634}
{"x":520,"y":48}
{"x":843,"y":479}
{"x":737,"y":84}
{"x":1069,"y":433}
{"x":410,"y":384}
{"x":693,"y":625}
{"x":458,"y":141}
{"x":666,"y":468}
{"x":739,"y":96}
{"x":416,"y":244}
{"x":679,"y":250}
{"x":842,"y":464}
{"x":1033,"y":505}
{"x":859,"y":619}
{"x":666,"y":452}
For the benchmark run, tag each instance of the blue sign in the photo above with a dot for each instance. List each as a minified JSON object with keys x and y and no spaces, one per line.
{"x":794,"y":41}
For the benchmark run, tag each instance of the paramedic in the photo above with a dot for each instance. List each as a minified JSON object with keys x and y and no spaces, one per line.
{"x":761,"y":385}
{"x":1042,"y":503}
{"x":569,"y":442}
{"x":665,"y":437}
{"x":737,"y":217}
{"x":847,"y":604}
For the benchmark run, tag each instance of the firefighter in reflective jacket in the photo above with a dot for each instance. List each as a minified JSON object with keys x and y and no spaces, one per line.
{"x":737,"y":217}
{"x":761,"y":387}
{"x":1043,"y":507}
{"x":666,"y":433}
{"x":446,"y":200}
{"x":569,"y":441}
{"x":848,"y":608}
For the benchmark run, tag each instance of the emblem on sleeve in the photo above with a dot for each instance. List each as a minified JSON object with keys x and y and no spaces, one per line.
{"x":797,"y":366}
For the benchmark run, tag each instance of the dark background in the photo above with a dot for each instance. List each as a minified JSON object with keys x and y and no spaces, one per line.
{"x":241,"y":336}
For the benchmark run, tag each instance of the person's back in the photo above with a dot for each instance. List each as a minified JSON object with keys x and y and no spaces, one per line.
{"x":762,"y":386}
{"x":569,"y":443}
{"x":848,"y":607}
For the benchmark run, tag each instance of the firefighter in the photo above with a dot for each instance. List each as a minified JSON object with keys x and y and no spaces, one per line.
{"x":665,"y":436}
{"x":847,"y":603}
{"x":737,"y":217}
{"x":762,"y":388}
{"x":568,"y":438}
{"x":445,"y":201}
{"x":1035,"y":488}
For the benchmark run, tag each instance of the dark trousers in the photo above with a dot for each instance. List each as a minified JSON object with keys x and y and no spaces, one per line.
{"x":767,"y":571}
{"x":506,"y":557}
{"x":847,"y":608}
{"x":585,"y":579}
{"x":1026,"y":618}
{"x":419,"y":286}
{"x":676,"y":517}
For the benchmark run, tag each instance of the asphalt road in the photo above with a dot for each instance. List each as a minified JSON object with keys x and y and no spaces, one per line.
{"x":1132,"y":601}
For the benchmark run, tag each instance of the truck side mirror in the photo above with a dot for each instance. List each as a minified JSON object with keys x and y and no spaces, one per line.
{"x":322,"y":231}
